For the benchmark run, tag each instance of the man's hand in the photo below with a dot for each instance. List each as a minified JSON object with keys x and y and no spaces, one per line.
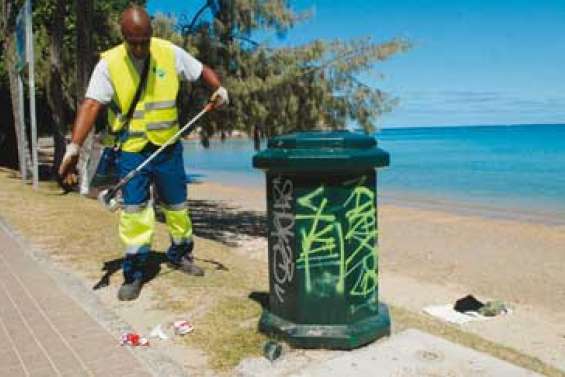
{"x":68,"y":176}
{"x":220,"y":97}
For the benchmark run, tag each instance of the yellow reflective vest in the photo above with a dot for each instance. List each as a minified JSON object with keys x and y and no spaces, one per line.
{"x":155,"y":118}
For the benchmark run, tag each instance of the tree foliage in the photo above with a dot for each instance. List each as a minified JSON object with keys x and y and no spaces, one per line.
{"x":56,"y":57}
{"x":105,"y":34}
{"x":275,"y":90}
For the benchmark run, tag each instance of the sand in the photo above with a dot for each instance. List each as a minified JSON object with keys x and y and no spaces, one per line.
{"x":435,"y":256}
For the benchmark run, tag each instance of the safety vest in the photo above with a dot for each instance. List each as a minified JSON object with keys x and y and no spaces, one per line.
{"x":155,"y":118}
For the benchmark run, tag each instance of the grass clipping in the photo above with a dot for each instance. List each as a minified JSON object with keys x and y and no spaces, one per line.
{"x":80,"y":234}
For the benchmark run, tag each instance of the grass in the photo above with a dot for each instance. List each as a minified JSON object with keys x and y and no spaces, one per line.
{"x":81,"y":234}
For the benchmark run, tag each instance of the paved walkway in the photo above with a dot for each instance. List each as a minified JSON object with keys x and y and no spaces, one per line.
{"x":411,"y":353}
{"x":44,"y":332}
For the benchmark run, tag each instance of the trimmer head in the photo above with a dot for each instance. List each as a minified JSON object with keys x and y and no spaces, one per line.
{"x":108,"y":200}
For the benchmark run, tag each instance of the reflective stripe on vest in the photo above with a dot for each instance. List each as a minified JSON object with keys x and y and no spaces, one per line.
{"x":155,"y":117}
{"x":137,"y":114}
{"x":160,"y":105}
{"x":161,"y":125}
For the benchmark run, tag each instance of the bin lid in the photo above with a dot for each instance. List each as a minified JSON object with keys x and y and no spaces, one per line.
{"x":335,"y":139}
{"x":321,"y":151}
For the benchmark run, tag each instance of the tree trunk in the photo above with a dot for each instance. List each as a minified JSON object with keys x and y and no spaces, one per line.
{"x":8,"y":140}
{"x":84,"y":10}
{"x":7,"y":25}
{"x":55,"y":94}
{"x":24,"y":154}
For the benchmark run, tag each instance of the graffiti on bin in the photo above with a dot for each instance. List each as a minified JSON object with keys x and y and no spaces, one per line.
{"x":325,"y":237}
{"x":283,"y":235}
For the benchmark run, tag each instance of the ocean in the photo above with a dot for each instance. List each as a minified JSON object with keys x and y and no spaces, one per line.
{"x":506,"y":171}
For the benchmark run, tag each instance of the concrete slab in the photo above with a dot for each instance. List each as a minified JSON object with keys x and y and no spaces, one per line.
{"x":414,"y":353}
{"x":411,"y":353}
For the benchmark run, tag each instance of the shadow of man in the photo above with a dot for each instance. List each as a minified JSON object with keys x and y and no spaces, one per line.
{"x":152,"y":268}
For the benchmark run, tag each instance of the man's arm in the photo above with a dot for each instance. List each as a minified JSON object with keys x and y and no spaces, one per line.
{"x":191,"y":69}
{"x":220,"y":95}
{"x":210,"y":78}
{"x":87,"y":114}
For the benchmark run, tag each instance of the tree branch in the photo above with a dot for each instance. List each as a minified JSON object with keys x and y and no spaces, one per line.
{"x":190,"y":27}
{"x":245,"y":39}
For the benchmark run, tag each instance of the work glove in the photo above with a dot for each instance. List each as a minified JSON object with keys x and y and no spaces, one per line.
{"x":220,"y":97}
{"x":68,"y":176}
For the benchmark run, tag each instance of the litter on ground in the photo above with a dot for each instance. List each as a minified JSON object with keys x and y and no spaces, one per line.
{"x":158,"y":333}
{"x":467,"y":309}
{"x":133,"y":339}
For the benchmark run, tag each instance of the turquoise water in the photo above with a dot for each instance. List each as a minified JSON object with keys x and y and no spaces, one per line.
{"x":506,"y":169}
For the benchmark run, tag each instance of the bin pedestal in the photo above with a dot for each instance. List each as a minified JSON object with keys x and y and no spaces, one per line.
{"x":345,"y":337}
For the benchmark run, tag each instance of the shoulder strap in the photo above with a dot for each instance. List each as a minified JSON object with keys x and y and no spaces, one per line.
{"x":142,"y":80}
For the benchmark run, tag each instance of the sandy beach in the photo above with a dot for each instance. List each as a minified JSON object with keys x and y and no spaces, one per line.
{"x":435,"y":256}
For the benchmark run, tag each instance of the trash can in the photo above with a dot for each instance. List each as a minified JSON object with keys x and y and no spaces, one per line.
{"x":322,"y":237}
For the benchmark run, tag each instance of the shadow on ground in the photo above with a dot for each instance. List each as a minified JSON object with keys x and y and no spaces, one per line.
{"x":152,"y":269}
{"x":45,"y":173}
{"x":223,"y":223}
{"x":213,"y":220}
{"x":262,"y":298}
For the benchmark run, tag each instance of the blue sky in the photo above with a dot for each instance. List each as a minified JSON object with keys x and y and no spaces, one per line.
{"x":473,"y":62}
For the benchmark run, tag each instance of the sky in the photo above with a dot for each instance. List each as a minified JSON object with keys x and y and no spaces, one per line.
{"x":472,"y":63}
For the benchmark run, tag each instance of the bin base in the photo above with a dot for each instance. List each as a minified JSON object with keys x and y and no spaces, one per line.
{"x":344,"y":337}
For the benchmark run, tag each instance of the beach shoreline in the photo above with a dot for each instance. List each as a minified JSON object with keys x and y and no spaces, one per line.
{"x":406,"y":199}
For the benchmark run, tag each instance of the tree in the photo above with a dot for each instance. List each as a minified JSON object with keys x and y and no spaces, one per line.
{"x":7,"y":26}
{"x":54,"y":13}
{"x":273,"y":90}
{"x":58,"y":59}
{"x":276,"y":90}
{"x":84,"y":14}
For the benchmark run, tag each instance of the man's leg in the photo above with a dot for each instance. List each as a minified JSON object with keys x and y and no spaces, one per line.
{"x":137,"y":221}
{"x":170,"y":180}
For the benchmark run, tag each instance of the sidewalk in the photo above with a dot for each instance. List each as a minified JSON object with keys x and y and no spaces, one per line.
{"x":411,"y":353}
{"x":44,"y":332}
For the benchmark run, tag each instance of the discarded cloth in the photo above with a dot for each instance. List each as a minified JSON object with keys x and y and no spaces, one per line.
{"x":467,"y":309}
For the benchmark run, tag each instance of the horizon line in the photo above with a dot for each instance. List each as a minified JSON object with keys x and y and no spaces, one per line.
{"x":472,"y":125}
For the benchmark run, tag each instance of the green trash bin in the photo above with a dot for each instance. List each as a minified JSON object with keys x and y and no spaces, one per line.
{"x":322,"y":233}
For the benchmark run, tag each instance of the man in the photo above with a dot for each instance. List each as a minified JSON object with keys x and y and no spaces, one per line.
{"x":153,"y":121}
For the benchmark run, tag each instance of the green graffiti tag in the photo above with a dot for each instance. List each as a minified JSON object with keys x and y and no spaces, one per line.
{"x":362,"y":232}
{"x":318,"y":242}
{"x":325,"y":237}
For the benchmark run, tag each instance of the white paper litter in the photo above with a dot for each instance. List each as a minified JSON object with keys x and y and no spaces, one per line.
{"x":158,"y":332}
{"x":447,"y":313}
